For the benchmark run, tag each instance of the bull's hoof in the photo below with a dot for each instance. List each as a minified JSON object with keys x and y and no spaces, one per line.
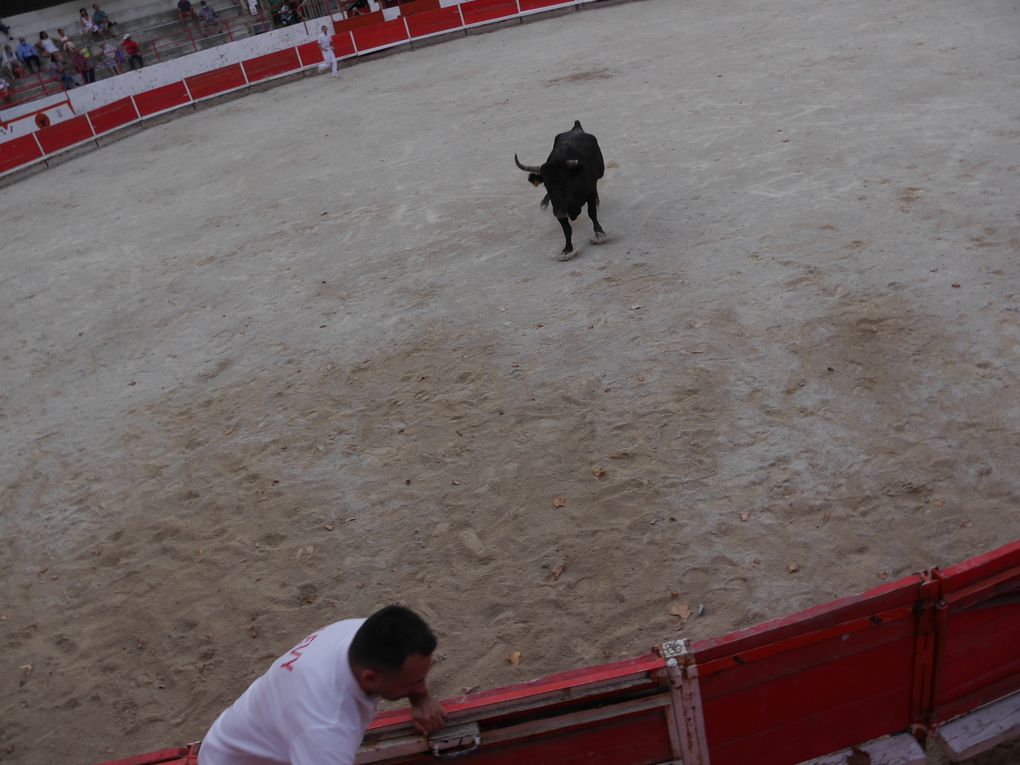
{"x":599,"y":238}
{"x":563,"y":256}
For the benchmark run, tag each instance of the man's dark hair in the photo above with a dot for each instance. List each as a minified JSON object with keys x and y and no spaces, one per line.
{"x":389,"y":636}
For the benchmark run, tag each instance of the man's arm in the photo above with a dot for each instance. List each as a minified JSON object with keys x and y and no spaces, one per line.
{"x":427,"y":714}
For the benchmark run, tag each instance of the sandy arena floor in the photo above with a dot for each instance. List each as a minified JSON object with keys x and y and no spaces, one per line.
{"x":310,"y":352}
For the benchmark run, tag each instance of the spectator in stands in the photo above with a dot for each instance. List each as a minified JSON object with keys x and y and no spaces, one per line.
{"x":185,"y":10}
{"x":10,"y":61}
{"x":113,"y":58}
{"x":47,"y":48}
{"x":83,"y":66}
{"x":28,"y":56}
{"x":287,"y":15}
{"x":88,"y":27}
{"x":328,"y":56}
{"x":133,"y":51}
{"x":5,"y":91}
{"x":206,"y":16}
{"x":101,"y":20}
{"x":66,"y":43}
{"x":62,"y":73}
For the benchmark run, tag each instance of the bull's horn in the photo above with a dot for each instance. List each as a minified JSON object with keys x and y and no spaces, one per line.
{"x":525,"y":168}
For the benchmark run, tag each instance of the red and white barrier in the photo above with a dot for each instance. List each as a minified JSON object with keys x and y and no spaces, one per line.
{"x":100,"y":108}
{"x":900,"y":660}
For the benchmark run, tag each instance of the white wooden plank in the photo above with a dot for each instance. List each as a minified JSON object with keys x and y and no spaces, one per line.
{"x":982,"y":729}
{"x":901,"y":749}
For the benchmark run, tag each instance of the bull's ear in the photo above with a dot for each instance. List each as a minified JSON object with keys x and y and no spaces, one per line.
{"x":535,"y":179}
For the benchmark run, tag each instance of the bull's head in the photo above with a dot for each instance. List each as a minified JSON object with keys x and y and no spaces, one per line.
{"x":534,"y":172}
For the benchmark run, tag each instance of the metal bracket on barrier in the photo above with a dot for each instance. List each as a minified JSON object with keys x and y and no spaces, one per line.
{"x":687,"y":720}
{"x":455,"y":742}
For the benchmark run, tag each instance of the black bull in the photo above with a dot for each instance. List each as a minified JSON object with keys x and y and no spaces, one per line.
{"x":571,"y":177}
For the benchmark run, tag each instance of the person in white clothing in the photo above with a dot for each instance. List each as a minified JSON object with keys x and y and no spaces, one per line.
{"x":314,"y":703}
{"x":328,"y":57}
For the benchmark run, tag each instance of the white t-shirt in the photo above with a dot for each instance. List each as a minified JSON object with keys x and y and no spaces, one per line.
{"x":307,"y":709}
{"x":325,"y":43}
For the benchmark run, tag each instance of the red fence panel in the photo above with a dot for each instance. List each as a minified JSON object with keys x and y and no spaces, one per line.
{"x":162,"y":98}
{"x":380,"y":35}
{"x":64,"y":134}
{"x":357,"y":22}
{"x":271,"y":64}
{"x":418,"y":6}
{"x":478,"y":11}
{"x":309,"y":54}
{"x":978,"y":659}
{"x":534,"y":5}
{"x":217,"y":81}
{"x":18,"y":152}
{"x":810,"y":684}
{"x":432,"y":22}
{"x":112,"y":116}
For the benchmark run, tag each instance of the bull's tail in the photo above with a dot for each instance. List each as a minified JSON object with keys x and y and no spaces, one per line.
{"x":577,"y":125}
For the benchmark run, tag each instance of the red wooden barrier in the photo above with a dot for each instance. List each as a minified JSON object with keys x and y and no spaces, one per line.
{"x":781,"y":692}
{"x":113,"y":116}
{"x":534,"y":5}
{"x":432,"y":22}
{"x":64,"y":134}
{"x":271,"y":64}
{"x":217,"y":81}
{"x":162,"y":98}
{"x":478,"y":11}
{"x":18,"y":152}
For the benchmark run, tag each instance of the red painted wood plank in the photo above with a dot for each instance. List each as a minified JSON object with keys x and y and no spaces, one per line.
{"x":216,"y":81}
{"x":357,"y":22}
{"x":175,"y":756}
{"x":800,"y":696}
{"x":418,"y":6}
{"x":380,"y":35}
{"x":637,"y":667}
{"x":309,"y":54}
{"x":432,"y":22}
{"x":271,"y":64}
{"x":903,"y":593}
{"x":534,"y":5}
{"x":18,"y":152}
{"x":64,"y":134}
{"x":961,"y":575}
{"x":478,"y":11}
{"x":804,"y":738}
{"x":113,"y":116}
{"x":640,"y":739}
{"x":161,"y":99}
{"x":858,"y":647}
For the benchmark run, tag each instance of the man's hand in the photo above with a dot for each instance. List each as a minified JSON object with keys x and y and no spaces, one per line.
{"x":427,"y":714}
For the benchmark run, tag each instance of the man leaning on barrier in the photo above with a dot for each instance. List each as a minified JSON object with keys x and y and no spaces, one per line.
{"x":313,"y":704}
